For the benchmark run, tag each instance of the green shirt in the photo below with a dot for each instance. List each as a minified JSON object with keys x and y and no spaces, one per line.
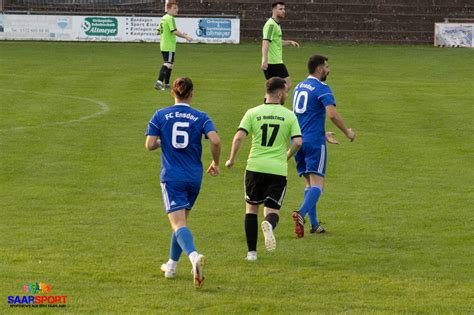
{"x":166,"y":31}
{"x":271,"y":126}
{"x":272,"y":33}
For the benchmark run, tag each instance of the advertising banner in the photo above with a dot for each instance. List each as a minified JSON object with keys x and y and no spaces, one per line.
{"x":114,"y":28}
{"x":454,"y":34}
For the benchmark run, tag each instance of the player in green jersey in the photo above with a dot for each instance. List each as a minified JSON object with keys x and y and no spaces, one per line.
{"x":272,"y":52}
{"x":272,"y":126}
{"x":168,"y":32}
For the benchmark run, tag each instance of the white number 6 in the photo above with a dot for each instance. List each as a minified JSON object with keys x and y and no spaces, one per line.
{"x":180,"y":133}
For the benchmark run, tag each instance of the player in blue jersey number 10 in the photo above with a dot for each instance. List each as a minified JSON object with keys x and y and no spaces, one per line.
{"x":312,"y":100}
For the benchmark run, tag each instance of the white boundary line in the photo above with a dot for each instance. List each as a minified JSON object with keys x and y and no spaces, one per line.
{"x":104,"y":108}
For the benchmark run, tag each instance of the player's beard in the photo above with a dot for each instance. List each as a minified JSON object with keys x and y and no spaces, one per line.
{"x":323,"y":78}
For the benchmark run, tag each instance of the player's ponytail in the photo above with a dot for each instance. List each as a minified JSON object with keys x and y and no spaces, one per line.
{"x":182,"y":87}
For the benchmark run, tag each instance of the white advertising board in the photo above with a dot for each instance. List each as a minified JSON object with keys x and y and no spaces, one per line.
{"x":114,"y":28}
{"x":454,"y":34}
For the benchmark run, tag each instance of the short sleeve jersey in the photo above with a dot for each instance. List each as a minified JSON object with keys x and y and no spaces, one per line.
{"x":167,"y":36}
{"x":310,"y":99}
{"x":272,"y":33}
{"x":180,"y":129}
{"x":271,"y":126}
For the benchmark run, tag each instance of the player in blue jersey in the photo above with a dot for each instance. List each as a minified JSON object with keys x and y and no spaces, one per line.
{"x":178,"y":130}
{"x":312,"y":99}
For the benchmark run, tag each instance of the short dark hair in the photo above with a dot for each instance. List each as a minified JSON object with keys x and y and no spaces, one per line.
{"x":274,"y":4}
{"x":182,"y":87}
{"x":316,"y":61}
{"x":274,"y":84}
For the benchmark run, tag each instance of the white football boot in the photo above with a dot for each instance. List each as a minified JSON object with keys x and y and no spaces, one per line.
{"x":251,"y":256}
{"x":198,"y":272}
{"x":168,"y":270}
{"x":270,"y":241}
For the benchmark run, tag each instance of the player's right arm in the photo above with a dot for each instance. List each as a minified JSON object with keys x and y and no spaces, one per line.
{"x":213,"y":169}
{"x":236,"y":144}
{"x":268,"y":29}
{"x":152,"y":143}
{"x":245,"y":127}
{"x":297,"y":140}
{"x":295,"y":146}
{"x":337,"y":120}
{"x":265,"y":44}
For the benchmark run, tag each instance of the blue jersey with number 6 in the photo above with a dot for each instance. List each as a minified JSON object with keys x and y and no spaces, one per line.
{"x":310,"y":99}
{"x":180,"y":129}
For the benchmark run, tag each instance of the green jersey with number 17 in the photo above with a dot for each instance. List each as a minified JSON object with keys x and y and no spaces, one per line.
{"x":271,"y":126}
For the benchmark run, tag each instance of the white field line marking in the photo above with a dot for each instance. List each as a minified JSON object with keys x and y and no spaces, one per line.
{"x":104,"y":108}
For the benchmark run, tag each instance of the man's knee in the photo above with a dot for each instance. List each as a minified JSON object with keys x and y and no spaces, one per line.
{"x":316,"y":180}
{"x":250,"y":208}
{"x":168,"y":65}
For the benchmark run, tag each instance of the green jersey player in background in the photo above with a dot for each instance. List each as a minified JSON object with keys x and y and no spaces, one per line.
{"x":271,"y":125}
{"x":168,"y":32}
{"x":272,"y":52}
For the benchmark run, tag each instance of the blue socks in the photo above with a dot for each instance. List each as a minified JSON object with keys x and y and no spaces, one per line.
{"x":185,"y":240}
{"x":311,"y":197}
{"x":175,"y":249}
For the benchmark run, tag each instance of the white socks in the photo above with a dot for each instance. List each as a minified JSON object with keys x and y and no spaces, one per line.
{"x":193,"y":256}
{"x":173,"y":264}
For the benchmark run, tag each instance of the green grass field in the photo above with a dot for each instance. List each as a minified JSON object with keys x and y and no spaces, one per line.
{"x":81,"y":204}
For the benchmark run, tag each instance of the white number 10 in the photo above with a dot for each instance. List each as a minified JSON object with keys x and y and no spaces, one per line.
{"x":300,"y":97}
{"x":180,"y":133}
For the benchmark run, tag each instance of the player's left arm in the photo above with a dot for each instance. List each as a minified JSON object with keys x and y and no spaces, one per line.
{"x":152,"y":143}
{"x":290,"y":42}
{"x":339,"y":122}
{"x":213,"y":137}
{"x":183,"y":35}
{"x":236,"y":144}
{"x":174,"y":29}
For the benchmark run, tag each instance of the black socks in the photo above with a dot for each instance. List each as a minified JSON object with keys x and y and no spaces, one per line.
{"x":251,"y":231}
{"x":165,"y":75}
{"x":251,"y":228}
{"x":273,"y":218}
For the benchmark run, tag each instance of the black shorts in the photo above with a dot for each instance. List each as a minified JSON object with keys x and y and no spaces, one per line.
{"x":276,"y":70}
{"x":268,"y":189}
{"x":168,"y":56}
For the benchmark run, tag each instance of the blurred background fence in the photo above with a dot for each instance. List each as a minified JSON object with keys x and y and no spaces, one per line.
{"x":380,"y":21}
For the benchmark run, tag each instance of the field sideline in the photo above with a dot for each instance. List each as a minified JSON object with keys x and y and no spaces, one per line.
{"x":81,"y":204}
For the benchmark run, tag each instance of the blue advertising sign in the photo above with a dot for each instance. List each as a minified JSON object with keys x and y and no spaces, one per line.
{"x":216,"y":28}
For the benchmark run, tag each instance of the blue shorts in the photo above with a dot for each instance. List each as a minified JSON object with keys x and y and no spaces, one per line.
{"x":311,"y":159}
{"x":179,"y":195}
